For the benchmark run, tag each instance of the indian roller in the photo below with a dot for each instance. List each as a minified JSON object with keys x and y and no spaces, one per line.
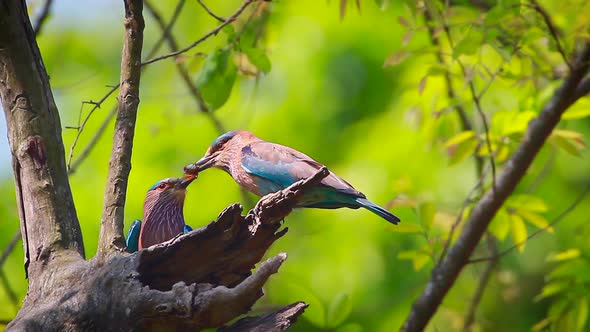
{"x":263,"y":167}
{"x":163,"y":216}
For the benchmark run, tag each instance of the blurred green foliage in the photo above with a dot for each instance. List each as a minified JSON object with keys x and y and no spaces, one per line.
{"x":363,"y":92}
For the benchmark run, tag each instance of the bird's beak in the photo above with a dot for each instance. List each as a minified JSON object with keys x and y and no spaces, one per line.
{"x":201,"y":165}
{"x":188,"y":178}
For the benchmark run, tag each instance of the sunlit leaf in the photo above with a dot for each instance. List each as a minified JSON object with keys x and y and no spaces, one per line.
{"x":437,"y":69}
{"x":469,"y":44}
{"x":582,"y":313}
{"x":339,"y":310}
{"x":396,"y":58}
{"x":258,"y":58}
{"x":407,"y":227}
{"x":383,"y":4}
{"x":459,"y":138}
{"x":500,"y":225}
{"x":566,"y":145}
{"x":535,"y":219}
{"x":426,"y":212}
{"x":553,"y":288}
{"x":518,"y":230}
{"x":462,"y":151}
{"x":420,"y":261}
{"x":216,"y":78}
{"x":564,"y":255}
{"x":572,"y":114}
{"x":527,"y":202}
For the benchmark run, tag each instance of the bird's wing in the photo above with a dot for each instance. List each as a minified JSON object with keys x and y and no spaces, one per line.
{"x":133,"y":236}
{"x":285,"y":166}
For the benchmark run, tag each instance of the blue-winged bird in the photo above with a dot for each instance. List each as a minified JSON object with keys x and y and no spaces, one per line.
{"x":263,"y":167}
{"x":163,"y":216}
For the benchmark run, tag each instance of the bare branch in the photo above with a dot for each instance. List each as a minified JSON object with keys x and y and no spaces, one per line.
{"x":111,"y":230}
{"x":560,"y":217}
{"x":73,"y":165}
{"x":205,"y":37}
{"x":271,"y":322}
{"x":43,"y":16}
{"x":537,"y":132}
{"x":552,"y":30}
{"x":195,"y":92}
{"x":212,"y":14}
{"x":483,"y":282}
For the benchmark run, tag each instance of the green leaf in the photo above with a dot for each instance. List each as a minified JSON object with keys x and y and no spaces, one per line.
{"x":419,"y":258}
{"x":566,"y":145}
{"x":258,"y":58}
{"x":436,"y":70}
{"x":500,"y":225}
{"x":383,"y":4}
{"x":564,"y":255}
{"x":541,"y":325}
{"x":216,"y":78}
{"x":525,"y":202}
{"x":339,"y":310}
{"x":469,"y":44}
{"x":459,"y":138}
{"x":582,"y":314}
{"x":407,"y":227}
{"x":553,"y":288}
{"x":535,"y":219}
{"x":462,"y":151}
{"x":396,"y":58}
{"x":426,"y":212}
{"x":518,"y":230}
{"x":573,"y":114}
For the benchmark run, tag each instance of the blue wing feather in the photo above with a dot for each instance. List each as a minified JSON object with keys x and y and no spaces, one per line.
{"x":133,"y":236}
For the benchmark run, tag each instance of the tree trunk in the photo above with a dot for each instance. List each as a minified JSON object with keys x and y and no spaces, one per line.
{"x":153,"y":289}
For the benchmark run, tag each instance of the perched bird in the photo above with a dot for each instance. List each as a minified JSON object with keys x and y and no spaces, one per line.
{"x":163,"y":217}
{"x":262,"y":167}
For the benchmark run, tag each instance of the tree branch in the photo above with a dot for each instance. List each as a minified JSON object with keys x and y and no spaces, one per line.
{"x":205,"y":37}
{"x":111,"y":230}
{"x":73,"y":165}
{"x":46,"y":209}
{"x":212,"y":14}
{"x":195,"y":92}
{"x":43,"y":16}
{"x":537,"y":132}
{"x":271,"y":322}
{"x":162,"y":291}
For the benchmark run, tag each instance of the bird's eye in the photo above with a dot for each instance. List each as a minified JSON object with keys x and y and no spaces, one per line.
{"x":162,"y":186}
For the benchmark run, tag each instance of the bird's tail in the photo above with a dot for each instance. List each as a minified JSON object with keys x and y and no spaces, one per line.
{"x":376,"y":209}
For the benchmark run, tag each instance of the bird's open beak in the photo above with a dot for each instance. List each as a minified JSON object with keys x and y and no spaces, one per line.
{"x":201,"y":165}
{"x":188,"y":178}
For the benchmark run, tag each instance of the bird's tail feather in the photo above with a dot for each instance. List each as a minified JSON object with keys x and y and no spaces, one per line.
{"x":376,"y":209}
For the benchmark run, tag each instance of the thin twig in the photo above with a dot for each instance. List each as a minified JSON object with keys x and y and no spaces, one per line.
{"x":82,"y":125}
{"x":8,"y":290}
{"x":219,"y":18}
{"x":444,"y":275}
{"x":42,"y":18}
{"x":205,"y":37}
{"x":195,"y":92}
{"x":552,"y":30}
{"x":559,"y":218}
{"x":483,"y":282}
{"x":73,"y":165}
{"x":10,"y":247}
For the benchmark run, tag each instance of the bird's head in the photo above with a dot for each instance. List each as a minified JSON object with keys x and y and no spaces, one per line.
{"x":169,"y":192}
{"x":218,"y":151}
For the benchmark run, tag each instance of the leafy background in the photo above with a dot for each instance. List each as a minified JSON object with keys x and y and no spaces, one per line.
{"x":362,"y":92}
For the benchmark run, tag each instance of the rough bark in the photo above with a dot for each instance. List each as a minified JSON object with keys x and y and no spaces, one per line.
{"x":111,"y":223}
{"x":197,"y":280}
{"x":539,"y":129}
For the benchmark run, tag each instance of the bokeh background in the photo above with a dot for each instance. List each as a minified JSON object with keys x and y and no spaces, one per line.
{"x":329,"y":95}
